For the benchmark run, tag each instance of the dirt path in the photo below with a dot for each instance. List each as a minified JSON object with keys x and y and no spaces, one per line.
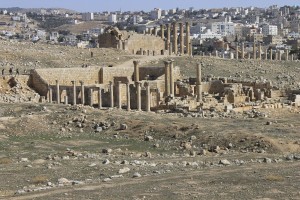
{"x":196,"y":177}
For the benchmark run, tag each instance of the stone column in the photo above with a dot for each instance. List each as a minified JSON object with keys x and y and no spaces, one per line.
{"x":162,"y":29}
{"x":57,"y":92}
{"x":82,"y":93}
{"x":111,"y":88}
{"x":271,"y":54}
{"x":167,"y":75}
{"x":170,"y":49}
{"x":199,"y":83}
{"x":50,"y":94}
{"x":66,"y":100}
{"x":266,"y":54}
{"x":171,"y":66}
{"x":120,"y":42}
{"x":91,"y":97}
{"x":181,"y":39}
{"x":128,"y":96}
{"x":148,"y":97}
{"x":175,"y":46}
{"x":138,"y":96}
{"x":155,"y":31}
{"x":74,"y":92}
{"x":259,"y":51}
{"x":168,"y":37}
{"x":254,"y":51}
{"x":99,"y":98}
{"x":292,"y":57}
{"x":286,"y":54}
{"x":136,"y":71}
{"x":237,"y":51}
{"x":191,"y":49}
{"x":243,"y":50}
{"x":119,"y":95}
{"x":276,"y":55}
{"x":188,"y":41}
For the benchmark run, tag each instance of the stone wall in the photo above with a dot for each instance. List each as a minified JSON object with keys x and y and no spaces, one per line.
{"x":147,"y":42}
{"x":131,"y":42}
{"x":41,"y":78}
{"x":108,"y":40}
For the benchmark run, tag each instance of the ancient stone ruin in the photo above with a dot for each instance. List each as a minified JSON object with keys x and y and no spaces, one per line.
{"x":154,"y":88}
{"x":150,"y":43}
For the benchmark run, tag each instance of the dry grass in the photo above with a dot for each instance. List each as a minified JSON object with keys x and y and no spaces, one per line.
{"x":5,"y":161}
{"x":274,"y":178}
{"x":40,"y":179}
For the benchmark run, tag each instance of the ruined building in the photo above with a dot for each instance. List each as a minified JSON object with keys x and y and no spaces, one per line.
{"x":152,"y":88}
{"x":150,"y":43}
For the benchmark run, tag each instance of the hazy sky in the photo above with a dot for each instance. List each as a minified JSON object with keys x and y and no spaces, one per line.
{"x":134,"y":5}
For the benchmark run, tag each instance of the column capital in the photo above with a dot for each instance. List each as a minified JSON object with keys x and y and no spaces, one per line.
{"x":136,"y":62}
{"x":167,"y":62}
{"x":56,"y":81}
{"x":73,"y":82}
{"x":81,"y":82}
{"x":147,"y":84}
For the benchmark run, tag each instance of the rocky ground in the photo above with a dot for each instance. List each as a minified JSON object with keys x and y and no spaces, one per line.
{"x":50,"y":151}
{"x":65,"y":152}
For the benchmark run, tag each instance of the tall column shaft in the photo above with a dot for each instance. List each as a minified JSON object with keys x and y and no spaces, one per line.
{"x":128,"y":96}
{"x":181,"y":38}
{"x":57,"y":92}
{"x":82,"y":93}
{"x":171,"y":77}
{"x":187,"y":38}
{"x":138,"y":96}
{"x":148,"y":97}
{"x":259,"y":51}
{"x":237,"y":51}
{"x":175,"y":39}
{"x":91,"y":96}
{"x":254,"y":51}
{"x":99,"y":98}
{"x":199,"y":83}
{"x":50,"y":92}
{"x":243,"y":50}
{"x":168,"y":37}
{"x":136,"y":71}
{"x":271,"y":54}
{"x":155,"y":31}
{"x":74,"y":92}
{"x":119,"y":95}
{"x":162,"y":29}
{"x":167,"y":75}
{"x":266,"y":54}
{"x":286,"y":54}
{"x":111,"y":86}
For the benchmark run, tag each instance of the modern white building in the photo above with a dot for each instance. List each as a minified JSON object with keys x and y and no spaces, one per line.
{"x":268,"y":29}
{"x":88,"y":16}
{"x":112,"y":18}
{"x":223,"y":28}
{"x":209,"y":35}
{"x":156,"y":14}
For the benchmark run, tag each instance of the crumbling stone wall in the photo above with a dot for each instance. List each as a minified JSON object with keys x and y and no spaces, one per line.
{"x":131,"y":41}
{"x":147,"y":42}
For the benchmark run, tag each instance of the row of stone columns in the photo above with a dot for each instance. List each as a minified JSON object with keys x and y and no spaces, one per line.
{"x":111,"y":91}
{"x":278,"y":55}
{"x":173,"y":47}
